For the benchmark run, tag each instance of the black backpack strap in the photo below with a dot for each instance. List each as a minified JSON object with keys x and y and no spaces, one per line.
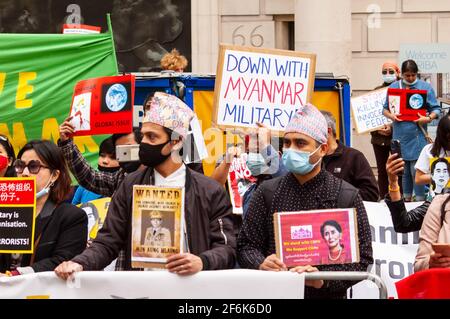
{"x":347,"y":195}
{"x":268,"y":190}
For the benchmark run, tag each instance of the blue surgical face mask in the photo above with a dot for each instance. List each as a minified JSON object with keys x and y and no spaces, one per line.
{"x":256,"y":164}
{"x":389,"y":78}
{"x":46,"y":189}
{"x":410,"y":83}
{"x":297,"y":162}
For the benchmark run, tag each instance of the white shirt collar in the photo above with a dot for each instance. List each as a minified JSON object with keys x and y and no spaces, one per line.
{"x":176,"y":179}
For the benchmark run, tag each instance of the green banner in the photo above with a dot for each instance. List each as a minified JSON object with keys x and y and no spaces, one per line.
{"x":37,"y":75}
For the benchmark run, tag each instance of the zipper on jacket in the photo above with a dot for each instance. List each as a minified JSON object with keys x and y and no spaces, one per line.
{"x":221,"y":230}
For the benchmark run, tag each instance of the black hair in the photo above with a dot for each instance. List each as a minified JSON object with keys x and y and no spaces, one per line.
{"x":410,"y":66}
{"x":333,"y":223}
{"x":173,"y":136}
{"x":150,"y":96}
{"x":137,"y":136}
{"x":147,"y":99}
{"x":442,"y":136}
{"x":51,"y":156}
{"x":4,"y":141}
{"x":439,"y":160}
{"x":107,"y":147}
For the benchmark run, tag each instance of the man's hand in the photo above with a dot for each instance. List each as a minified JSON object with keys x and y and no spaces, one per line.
{"x":184,"y":264}
{"x":66,"y":129}
{"x":272,"y":263}
{"x":439,"y":261}
{"x":67,"y":268}
{"x":232,"y":152}
{"x":264,"y":136}
{"x":259,"y":138}
{"x":311,"y":283}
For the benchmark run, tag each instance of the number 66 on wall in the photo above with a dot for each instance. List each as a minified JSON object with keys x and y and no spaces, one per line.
{"x":255,"y":34}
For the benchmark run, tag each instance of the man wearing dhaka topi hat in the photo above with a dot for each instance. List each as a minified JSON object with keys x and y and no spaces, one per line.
{"x":210,"y":242}
{"x":306,"y":187}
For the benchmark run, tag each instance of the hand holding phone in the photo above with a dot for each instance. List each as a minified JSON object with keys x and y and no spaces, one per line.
{"x":396,"y":149}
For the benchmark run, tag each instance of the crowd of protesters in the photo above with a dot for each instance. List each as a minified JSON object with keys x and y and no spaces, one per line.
{"x":311,"y":169}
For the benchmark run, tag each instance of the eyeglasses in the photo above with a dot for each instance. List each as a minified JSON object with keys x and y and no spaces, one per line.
{"x":33,"y":166}
{"x":386,"y":71}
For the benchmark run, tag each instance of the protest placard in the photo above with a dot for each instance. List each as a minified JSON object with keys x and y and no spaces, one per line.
{"x":103,"y":105}
{"x":240,"y":179}
{"x":157,"y":225}
{"x":17,"y":211}
{"x":316,"y":237}
{"x":261,"y":85}
{"x":407,"y":104}
{"x":367,"y":111}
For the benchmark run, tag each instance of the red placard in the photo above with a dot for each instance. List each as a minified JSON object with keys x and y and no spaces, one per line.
{"x":406,"y":104}
{"x":240,"y":180}
{"x":17,"y":191}
{"x":299,"y":239}
{"x":103,"y":105}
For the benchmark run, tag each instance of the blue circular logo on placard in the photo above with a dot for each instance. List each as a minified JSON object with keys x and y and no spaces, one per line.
{"x":116,"y":97}
{"x":416,"y":101}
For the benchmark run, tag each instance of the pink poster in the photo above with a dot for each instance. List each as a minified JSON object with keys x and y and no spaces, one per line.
{"x":316,"y":237}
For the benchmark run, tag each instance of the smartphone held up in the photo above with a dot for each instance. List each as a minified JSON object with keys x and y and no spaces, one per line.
{"x":396,"y":149}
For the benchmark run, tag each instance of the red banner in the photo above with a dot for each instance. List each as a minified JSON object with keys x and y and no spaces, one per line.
{"x":17,"y":192}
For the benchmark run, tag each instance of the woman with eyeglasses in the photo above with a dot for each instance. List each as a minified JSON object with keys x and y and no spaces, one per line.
{"x":381,"y":139}
{"x":411,"y":134}
{"x":61,"y":228}
{"x":7,"y":158}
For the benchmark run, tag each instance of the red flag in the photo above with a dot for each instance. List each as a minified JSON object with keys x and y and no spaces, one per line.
{"x":427,"y":284}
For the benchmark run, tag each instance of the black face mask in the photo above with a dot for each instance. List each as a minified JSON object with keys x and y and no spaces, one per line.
{"x":108,"y":169}
{"x":150,"y":155}
{"x":130,"y":167}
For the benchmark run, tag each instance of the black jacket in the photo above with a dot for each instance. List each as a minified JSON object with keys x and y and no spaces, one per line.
{"x":63,"y":235}
{"x":405,"y":222}
{"x":256,"y":239}
{"x":209,"y":228}
{"x":352,"y":166}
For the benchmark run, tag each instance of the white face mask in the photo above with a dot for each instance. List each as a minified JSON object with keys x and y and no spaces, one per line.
{"x":46,"y":189}
{"x":410,"y":83}
{"x":389,"y":78}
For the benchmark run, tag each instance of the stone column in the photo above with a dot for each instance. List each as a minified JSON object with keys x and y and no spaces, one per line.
{"x":205,"y":35}
{"x":324,"y":27}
